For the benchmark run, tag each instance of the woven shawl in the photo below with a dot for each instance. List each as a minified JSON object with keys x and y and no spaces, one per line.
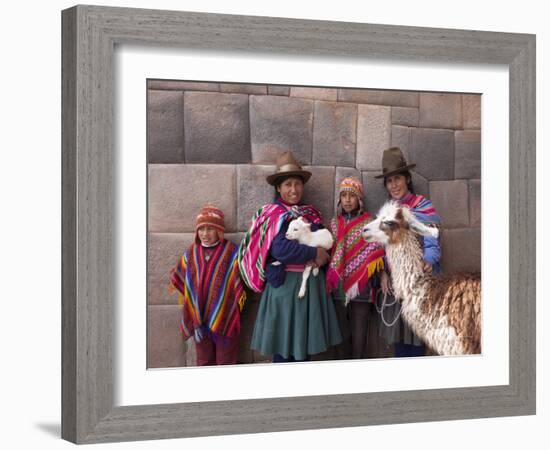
{"x":353,"y":260}
{"x":422,"y":208}
{"x":212,"y":294}
{"x":266,"y":224}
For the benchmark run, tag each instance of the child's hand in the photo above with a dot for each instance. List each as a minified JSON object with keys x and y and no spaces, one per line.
{"x":385,"y":283}
{"x":198,"y":335}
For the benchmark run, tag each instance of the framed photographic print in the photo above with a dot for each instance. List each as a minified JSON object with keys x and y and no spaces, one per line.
{"x":166,"y":112}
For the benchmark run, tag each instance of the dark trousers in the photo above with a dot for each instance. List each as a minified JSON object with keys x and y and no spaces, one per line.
{"x":210,"y":353}
{"x":359,"y":316}
{"x":353,"y":320}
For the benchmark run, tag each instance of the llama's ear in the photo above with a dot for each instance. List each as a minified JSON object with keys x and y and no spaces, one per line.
{"x":403,"y":217}
{"x":424,"y":230}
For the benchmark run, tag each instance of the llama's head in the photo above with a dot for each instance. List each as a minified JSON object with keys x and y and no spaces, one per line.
{"x":296,"y":228}
{"x":392,"y":224}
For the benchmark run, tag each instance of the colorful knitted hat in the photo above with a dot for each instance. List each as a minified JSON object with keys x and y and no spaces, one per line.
{"x":211,"y":216}
{"x":353,"y":185}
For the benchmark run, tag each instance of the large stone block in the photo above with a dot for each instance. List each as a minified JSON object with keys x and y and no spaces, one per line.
{"x":216,"y":128}
{"x":440,"y":110}
{"x":238,"y":88}
{"x":400,"y":137}
{"x":178,"y":191}
{"x":433,"y":151}
{"x":334,"y":134}
{"x":340,"y":174}
{"x":420,"y":184}
{"x":164,"y":251}
{"x":377,"y":97}
{"x":164,"y":126}
{"x":450,"y":199}
{"x":278,"y":124}
{"x":165,"y":344}
{"x":319,"y":190}
{"x":474,"y":189}
{"x":248,"y":319}
{"x":314,"y":93}
{"x":190,"y":353}
{"x":375,"y":192}
{"x":471,"y":111}
{"x":461,"y":250}
{"x":373,"y":135}
{"x":236,"y":238}
{"x":278,"y":90}
{"x":182,"y":85}
{"x":404,"y":116}
{"x":468,"y":154}
{"x":253,"y":191}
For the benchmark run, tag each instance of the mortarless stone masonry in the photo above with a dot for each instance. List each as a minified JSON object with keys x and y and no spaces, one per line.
{"x":217,"y":142}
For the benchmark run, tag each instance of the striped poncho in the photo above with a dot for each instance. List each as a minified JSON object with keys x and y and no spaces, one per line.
{"x":254,"y":248}
{"x":353,"y":259}
{"x":212,"y":294}
{"x":422,"y":208}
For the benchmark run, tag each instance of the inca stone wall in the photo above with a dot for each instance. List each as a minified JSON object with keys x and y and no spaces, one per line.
{"x":215,"y":142}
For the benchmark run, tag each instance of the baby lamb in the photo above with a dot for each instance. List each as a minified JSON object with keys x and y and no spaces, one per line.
{"x":299,"y":230}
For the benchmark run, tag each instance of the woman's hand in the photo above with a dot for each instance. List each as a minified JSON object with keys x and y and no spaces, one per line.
{"x":322,"y":257}
{"x":427,"y":267}
{"x":385,"y":283}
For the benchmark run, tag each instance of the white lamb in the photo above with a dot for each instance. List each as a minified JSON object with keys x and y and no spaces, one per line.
{"x":299,"y":230}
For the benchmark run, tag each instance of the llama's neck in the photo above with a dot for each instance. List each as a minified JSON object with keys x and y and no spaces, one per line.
{"x":405,"y":260}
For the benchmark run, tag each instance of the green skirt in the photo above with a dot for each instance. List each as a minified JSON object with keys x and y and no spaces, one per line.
{"x":292,"y":326}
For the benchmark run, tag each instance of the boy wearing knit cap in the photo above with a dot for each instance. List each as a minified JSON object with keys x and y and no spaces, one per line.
{"x":355,"y":266}
{"x":210,"y":291}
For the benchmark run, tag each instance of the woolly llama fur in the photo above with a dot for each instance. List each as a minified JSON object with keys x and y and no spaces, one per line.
{"x":444,"y":311}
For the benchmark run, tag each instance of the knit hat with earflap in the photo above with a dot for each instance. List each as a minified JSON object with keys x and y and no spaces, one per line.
{"x":209,"y":215}
{"x":355,"y":186}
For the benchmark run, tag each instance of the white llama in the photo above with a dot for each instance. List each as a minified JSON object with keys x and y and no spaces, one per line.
{"x":444,"y":311}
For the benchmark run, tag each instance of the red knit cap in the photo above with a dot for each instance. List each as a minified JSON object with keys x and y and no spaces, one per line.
{"x":211,"y":216}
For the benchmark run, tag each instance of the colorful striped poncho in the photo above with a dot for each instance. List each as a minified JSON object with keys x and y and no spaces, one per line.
{"x":254,"y":248}
{"x":212,"y":294}
{"x":353,"y":259}
{"x":422,"y":208}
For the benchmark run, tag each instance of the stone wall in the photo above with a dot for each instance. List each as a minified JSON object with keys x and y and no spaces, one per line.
{"x":216,"y":142}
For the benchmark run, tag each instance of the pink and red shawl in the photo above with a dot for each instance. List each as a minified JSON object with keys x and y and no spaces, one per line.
{"x":254,"y":248}
{"x":353,"y":259}
{"x":212,"y":294}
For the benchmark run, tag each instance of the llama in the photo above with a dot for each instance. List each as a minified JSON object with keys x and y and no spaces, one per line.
{"x":299,"y":230}
{"x":444,"y":311}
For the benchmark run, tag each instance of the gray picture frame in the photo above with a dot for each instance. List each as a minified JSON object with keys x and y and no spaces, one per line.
{"x":90,"y":34}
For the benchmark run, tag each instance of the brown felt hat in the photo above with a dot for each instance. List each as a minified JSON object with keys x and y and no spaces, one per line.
{"x":287,"y":166}
{"x":393,"y":162}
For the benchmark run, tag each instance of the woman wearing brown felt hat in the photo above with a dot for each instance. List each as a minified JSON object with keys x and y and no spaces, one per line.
{"x":287,"y":327}
{"x":398,"y":184}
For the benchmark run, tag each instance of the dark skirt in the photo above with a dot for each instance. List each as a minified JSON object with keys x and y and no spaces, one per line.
{"x":296,"y":327}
